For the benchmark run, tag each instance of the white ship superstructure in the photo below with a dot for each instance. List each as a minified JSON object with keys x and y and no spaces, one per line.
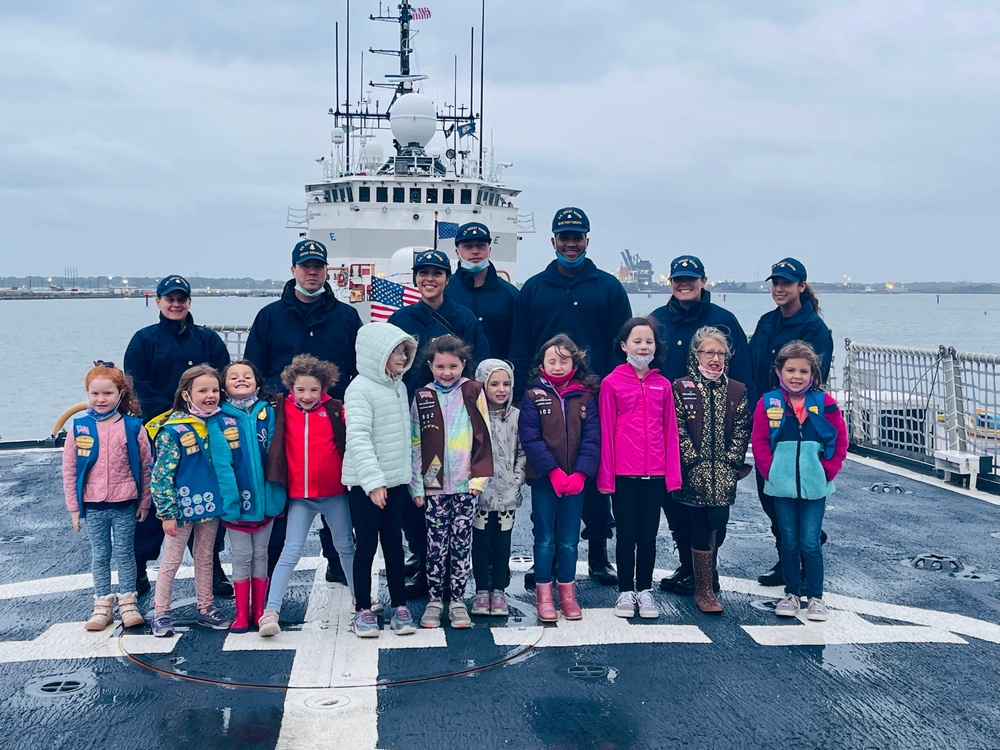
{"x":372,"y":211}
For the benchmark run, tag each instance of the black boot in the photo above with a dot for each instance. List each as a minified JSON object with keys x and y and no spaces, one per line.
{"x":684,"y":570}
{"x":220,"y":583}
{"x":141,"y":579}
{"x":600,"y":568}
{"x":773,"y":577}
{"x":335,"y":571}
{"x":529,"y":578}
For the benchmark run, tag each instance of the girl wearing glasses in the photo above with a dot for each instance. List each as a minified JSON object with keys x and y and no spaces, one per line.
{"x":713,"y":421}
{"x":639,"y":460}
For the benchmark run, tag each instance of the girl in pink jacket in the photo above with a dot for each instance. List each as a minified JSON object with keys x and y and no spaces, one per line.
{"x":640,"y":460}
{"x":105,"y":469}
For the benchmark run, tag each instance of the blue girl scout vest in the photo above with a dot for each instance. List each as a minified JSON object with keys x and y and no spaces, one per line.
{"x":87,"y":450}
{"x":253,"y":498}
{"x":197,"y":487}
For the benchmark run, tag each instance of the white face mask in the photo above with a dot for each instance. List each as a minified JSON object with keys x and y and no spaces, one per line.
{"x":474,"y":267}
{"x":639,"y":361}
{"x":304,"y":293}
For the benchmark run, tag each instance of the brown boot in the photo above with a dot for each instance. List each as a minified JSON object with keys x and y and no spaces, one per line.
{"x":102,"y":616}
{"x":543,"y":601}
{"x":567,"y":601}
{"x":128,"y":611}
{"x":704,"y":596}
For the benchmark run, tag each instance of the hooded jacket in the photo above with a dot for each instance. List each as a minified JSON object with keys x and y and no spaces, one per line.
{"x":503,"y":491}
{"x":327,"y":329}
{"x":158,"y":355}
{"x":713,"y":422}
{"x":239,"y":441}
{"x":424,"y":323}
{"x":638,"y":429}
{"x":378,"y":413}
{"x":590,"y":308}
{"x":492,"y":303}
{"x":677,"y":327}
{"x":774,"y":331}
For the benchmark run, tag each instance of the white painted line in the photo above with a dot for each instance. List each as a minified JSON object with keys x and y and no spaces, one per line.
{"x":598,"y":626}
{"x":931,"y":480}
{"x":68,"y":640}
{"x":845,"y":628}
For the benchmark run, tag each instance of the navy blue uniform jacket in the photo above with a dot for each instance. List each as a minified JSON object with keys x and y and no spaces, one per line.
{"x":678,"y":326}
{"x":158,"y":355}
{"x":774,"y":331}
{"x":424,"y":324}
{"x":492,"y":303}
{"x":282,"y":330}
{"x":590,"y":308}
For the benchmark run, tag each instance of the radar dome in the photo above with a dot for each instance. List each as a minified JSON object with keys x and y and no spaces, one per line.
{"x":338,"y":136}
{"x":413,"y":119}
{"x":401,"y":263}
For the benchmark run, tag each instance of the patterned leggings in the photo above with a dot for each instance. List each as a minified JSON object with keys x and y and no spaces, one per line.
{"x":449,"y":543}
{"x":173,"y":553}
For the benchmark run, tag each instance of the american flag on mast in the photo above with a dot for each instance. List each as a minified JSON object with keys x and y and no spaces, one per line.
{"x":388,"y":296}
{"x":420,"y":14}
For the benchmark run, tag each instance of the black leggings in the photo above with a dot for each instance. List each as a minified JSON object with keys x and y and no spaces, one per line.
{"x":491,"y":533}
{"x":371,"y":524}
{"x":636,"y":504}
{"x":705,"y":521}
{"x":680,"y":520}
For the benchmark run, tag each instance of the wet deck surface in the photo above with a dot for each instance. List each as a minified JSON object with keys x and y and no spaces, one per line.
{"x":908,"y":658}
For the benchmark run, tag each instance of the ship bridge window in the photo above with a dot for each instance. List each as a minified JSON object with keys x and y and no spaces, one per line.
{"x":414,"y":195}
{"x":479,"y":197}
{"x":432,"y":195}
{"x":382,"y":194}
{"x":399,"y":195}
{"x":349,"y":195}
{"x":364,"y":195}
{"x":333,"y":196}
{"x":448,"y":195}
{"x":466,"y":196}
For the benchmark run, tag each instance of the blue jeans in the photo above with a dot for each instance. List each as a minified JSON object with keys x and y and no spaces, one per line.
{"x":102,"y":526}
{"x":300,"y":517}
{"x":556,"y":522}
{"x":800,"y":523}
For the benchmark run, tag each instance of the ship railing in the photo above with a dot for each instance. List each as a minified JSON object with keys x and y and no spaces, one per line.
{"x":936,"y":407}
{"x":234,"y":337}
{"x":296,"y":219}
{"x":526,"y":222}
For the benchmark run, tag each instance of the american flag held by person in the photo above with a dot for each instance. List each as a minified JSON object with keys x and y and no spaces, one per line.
{"x":388,"y":296}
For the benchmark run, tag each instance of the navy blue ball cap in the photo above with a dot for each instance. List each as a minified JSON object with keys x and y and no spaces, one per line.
{"x":788,"y":269}
{"x":687,"y":265}
{"x":431,"y":259}
{"x":570,"y":220}
{"x":173,"y":283}
{"x":473,"y":231}
{"x":307,"y":250}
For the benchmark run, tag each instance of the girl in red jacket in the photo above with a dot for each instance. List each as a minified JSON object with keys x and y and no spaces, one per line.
{"x":307,"y":455}
{"x":640,"y":462}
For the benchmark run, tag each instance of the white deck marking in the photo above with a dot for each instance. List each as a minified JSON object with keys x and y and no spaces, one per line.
{"x":845,"y":628}
{"x":932,"y":480}
{"x":598,"y":627}
{"x":68,"y":640}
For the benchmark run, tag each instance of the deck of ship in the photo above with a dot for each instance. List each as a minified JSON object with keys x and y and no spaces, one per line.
{"x":906,"y":660}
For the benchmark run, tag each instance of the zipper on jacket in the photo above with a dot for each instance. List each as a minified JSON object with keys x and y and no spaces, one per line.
{"x":711,"y":422}
{"x":798,"y":456}
{"x":645,"y":429}
{"x":305,"y":455}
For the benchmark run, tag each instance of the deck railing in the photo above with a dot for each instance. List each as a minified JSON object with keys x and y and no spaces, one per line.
{"x":917,"y":402}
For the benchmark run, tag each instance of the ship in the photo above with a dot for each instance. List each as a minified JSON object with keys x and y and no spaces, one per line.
{"x":374,"y":206}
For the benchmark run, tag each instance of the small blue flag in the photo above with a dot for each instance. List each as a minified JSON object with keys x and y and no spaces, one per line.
{"x":467,"y":128}
{"x":447,"y":230}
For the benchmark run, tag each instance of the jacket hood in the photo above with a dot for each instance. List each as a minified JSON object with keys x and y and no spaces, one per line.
{"x":176,"y":417}
{"x":489,"y":366}
{"x":374,"y":345}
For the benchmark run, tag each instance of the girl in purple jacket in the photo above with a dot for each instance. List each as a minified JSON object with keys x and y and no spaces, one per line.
{"x":640,"y":460}
{"x":561,"y":437}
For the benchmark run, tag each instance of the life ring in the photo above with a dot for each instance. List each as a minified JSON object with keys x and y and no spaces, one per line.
{"x":983,"y":423}
{"x":505,"y":274}
{"x":57,"y":427}
{"x":341,"y":278}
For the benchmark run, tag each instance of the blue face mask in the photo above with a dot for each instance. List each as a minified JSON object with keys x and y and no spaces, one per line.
{"x":101,"y":416}
{"x":475,"y":267}
{"x":304,"y":293}
{"x":571,"y":263}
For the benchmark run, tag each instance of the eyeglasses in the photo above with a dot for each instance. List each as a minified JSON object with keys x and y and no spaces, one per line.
{"x":712,"y":355}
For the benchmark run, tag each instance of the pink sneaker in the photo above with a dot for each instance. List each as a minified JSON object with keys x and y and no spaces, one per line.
{"x":481,"y":604}
{"x":498,"y":604}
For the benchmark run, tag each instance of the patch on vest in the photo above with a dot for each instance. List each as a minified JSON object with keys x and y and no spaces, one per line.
{"x":188,"y":439}
{"x":775,"y":402}
{"x":232,"y":434}
{"x":814,"y":409}
{"x":84,"y":442}
{"x":262,"y":415}
{"x":432,"y":477}
{"x":687,"y":383}
{"x":775,"y":413}
{"x":195,"y":506}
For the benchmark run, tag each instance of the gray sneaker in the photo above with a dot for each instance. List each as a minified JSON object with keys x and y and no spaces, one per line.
{"x":214,"y":619}
{"x":787,"y":607}
{"x":625,"y":606}
{"x":401,"y":622}
{"x":431,"y":617}
{"x":458,"y":615}
{"x":817,"y":610}
{"x":161,"y":625}
{"x":365,"y":625}
{"x":647,"y":605}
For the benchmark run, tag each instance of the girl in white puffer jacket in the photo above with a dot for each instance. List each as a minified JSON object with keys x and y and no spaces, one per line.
{"x":377,"y":469}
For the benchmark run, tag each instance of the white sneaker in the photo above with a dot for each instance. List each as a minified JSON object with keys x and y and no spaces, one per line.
{"x":625,"y":606}
{"x":788,"y":607}
{"x":647,"y":605}
{"x":817,"y":610}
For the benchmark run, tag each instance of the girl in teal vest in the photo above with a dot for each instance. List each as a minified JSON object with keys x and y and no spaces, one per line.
{"x":187,"y":495}
{"x":105,"y":470}
{"x":239,"y":438}
{"x":799,"y":443}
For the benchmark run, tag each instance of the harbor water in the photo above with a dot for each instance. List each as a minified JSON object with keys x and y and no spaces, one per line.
{"x":47,"y":345}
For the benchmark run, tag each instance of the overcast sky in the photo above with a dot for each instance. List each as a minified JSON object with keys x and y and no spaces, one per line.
{"x":860,"y":137}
